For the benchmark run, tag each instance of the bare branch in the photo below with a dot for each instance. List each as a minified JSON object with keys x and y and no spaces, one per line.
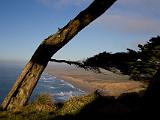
{"x":78,"y":64}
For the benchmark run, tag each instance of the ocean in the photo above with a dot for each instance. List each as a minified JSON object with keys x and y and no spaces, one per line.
{"x":60,"y":90}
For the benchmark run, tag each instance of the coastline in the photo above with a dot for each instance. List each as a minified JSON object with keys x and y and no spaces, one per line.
{"x":78,"y":83}
{"x":107,"y":82}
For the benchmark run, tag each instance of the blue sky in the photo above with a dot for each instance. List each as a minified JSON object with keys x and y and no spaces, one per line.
{"x":25,"y":23}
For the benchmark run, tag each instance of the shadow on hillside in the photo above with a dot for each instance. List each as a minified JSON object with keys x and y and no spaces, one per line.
{"x":131,"y":106}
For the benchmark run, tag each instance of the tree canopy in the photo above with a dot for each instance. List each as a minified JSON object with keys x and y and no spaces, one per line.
{"x":141,"y":64}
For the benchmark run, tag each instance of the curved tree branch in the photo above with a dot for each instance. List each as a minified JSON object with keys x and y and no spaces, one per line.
{"x":78,"y":64}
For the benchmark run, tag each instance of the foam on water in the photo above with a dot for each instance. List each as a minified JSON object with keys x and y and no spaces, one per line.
{"x":59,"y":89}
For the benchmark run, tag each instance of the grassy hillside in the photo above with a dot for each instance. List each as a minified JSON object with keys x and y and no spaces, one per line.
{"x":94,"y":106}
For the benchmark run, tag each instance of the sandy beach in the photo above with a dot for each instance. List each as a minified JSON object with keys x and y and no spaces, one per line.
{"x":107,"y":82}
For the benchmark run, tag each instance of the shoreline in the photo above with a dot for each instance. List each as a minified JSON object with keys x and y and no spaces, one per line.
{"x":109,"y":83}
{"x":77,"y":83}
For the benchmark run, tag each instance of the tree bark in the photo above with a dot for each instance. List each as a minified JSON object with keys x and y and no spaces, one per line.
{"x":153,"y":91}
{"x":26,"y":82}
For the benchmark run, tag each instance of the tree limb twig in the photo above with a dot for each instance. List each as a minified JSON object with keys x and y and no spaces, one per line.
{"x":77,"y":63}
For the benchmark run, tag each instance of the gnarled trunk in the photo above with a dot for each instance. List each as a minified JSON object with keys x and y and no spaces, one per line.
{"x":153,"y":91}
{"x":22,"y":89}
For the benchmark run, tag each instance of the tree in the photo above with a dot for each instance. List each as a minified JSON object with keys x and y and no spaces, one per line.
{"x":140,"y":65}
{"x":148,"y":61}
{"x":120,"y":60}
{"x":153,"y":91}
{"x":24,"y":85}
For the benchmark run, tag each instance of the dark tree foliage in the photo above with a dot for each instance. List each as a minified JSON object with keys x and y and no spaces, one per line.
{"x":141,"y":64}
{"x":149,"y":59}
{"x":79,"y":64}
{"x":108,"y":61}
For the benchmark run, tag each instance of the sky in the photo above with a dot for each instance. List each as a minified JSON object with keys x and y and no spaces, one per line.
{"x":25,"y":23}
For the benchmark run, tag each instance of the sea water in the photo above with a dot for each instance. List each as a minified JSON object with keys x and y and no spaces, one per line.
{"x":60,"y":90}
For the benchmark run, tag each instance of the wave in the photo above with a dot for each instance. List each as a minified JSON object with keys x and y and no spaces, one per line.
{"x":59,"y":89}
{"x":70,"y":93}
{"x":47,"y":81}
{"x":52,"y":87}
{"x":66,"y":83}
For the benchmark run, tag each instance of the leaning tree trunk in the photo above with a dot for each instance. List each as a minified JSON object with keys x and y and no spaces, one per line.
{"x":153,"y":91}
{"x":23,"y":87}
{"x":151,"y":98}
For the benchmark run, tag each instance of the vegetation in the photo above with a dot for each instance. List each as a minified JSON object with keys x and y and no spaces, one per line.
{"x":128,"y":106}
{"x":43,"y":108}
{"x":141,"y":64}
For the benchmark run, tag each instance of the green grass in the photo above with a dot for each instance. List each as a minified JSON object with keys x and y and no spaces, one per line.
{"x":129,"y":106}
{"x":43,"y":108}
